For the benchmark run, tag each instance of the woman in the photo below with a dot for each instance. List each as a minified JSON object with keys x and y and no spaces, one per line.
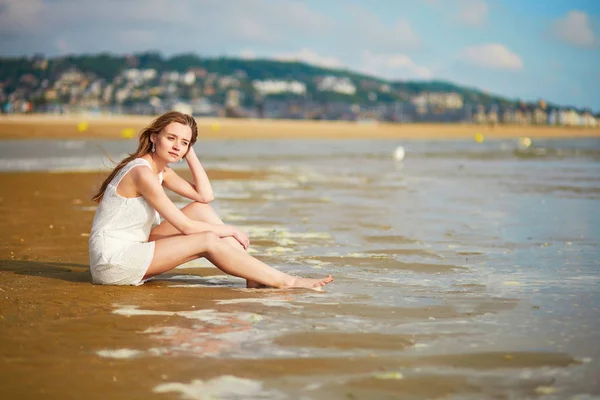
{"x":127,"y":243}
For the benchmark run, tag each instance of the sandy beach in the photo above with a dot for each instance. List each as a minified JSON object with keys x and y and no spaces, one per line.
{"x":54,"y":321}
{"x":435,"y":296}
{"x":112,"y":127}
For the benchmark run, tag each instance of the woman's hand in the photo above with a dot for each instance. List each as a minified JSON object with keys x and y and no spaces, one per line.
{"x":191,"y":154}
{"x":241,"y":237}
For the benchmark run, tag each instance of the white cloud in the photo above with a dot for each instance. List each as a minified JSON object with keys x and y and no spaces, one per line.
{"x":493,"y":56}
{"x":472,"y":12}
{"x":208,"y":27}
{"x":575,"y":29}
{"x":384,"y":65}
{"x":259,"y":22}
{"x":18,"y":15}
{"x":251,"y":29}
{"x":310,"y":57}
{"x":393,"y":66}
{"x":190,"y":25}
{"x":363,"y":29}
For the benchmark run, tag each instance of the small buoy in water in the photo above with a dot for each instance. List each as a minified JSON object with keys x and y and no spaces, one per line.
{"x":82,"y":126}
{"x":127,"y":133}
{"x":215,"y":126}
{"x":399,"y":153}
{"x":479,"y":137}
{"x":524,"y":142}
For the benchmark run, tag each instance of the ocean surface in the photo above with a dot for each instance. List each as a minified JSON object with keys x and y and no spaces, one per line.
{"x":475,"y":250}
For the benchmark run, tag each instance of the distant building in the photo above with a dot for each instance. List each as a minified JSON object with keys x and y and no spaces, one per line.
{"x":480,"y":115}
{"x":492,"y":115}
{"x":562,"y":117}
{"x":539,"y":116}
{"x":335,"y":84}
{"x":573,"y":118}
{"x":445,"y":100}
{"x":589,"y":120}
{"x":268,"y":87}
{"x":233,"y":98}
{"x":420,"y":103}
{"x":227,"y":82}
{"x":198,"y":72}
{"x":188,"y":78}
{"x":201,"y":106}
{"x":71,"y":76}
{"x":438,"y":101}
{"x":51,"y":95}
{"x":552,"y":117}
{"x":509,"y":116}
{"x":182,"y":107}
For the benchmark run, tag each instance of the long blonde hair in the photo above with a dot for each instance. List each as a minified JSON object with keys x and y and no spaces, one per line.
{"x":145,"y":144}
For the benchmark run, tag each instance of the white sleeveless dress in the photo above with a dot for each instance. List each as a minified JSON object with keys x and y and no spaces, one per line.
{"x":120,"y":253}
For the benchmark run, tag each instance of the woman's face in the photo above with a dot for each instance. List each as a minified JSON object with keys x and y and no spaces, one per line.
{"x":173,"y":142}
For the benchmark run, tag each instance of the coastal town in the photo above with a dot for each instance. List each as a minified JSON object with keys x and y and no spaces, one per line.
{"x":199,"y":91}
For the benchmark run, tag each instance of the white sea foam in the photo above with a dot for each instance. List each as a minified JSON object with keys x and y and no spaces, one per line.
{"x":208,"y":315}
{"x":223,"y":387}
{"x":264,"y":301}
{"x":202,"y":315}
{"x":119,"y":353}
{"x":279,"y":233}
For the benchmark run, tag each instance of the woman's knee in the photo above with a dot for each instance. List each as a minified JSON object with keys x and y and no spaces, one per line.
{"x":196,"y":207}
{"x":201,"y":212}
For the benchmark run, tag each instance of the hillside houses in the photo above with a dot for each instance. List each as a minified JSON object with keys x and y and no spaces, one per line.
{"x":241,"y":92}
{"x":334,"y":84}
{"x":441,"y":101}
{"x":270,"y":87}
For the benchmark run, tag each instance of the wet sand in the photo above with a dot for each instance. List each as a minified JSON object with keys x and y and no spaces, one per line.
{"x":54,"y":324}
{"x":65,"y":127}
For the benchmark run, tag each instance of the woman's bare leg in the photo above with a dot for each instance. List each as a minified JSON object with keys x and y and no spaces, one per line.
{"x":173,"y":251}
{"x":198,"y":212}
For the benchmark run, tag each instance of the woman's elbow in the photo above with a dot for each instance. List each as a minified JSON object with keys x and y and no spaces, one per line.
{"x":205,"y":199}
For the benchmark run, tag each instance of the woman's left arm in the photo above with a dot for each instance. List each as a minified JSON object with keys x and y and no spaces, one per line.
{"x":200,"y":191}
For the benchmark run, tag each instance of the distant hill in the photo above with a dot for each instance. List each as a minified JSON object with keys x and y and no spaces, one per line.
{"x":108,"y":66}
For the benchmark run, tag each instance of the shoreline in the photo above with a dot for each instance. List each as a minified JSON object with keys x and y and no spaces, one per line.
{"x":38,"y":126}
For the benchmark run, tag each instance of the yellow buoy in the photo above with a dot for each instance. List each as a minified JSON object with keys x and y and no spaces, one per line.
{"x":524,"y":142}
{"x":215,"y":126}
{"x":479,"y":137}
{"x":127,"y":133}
{"x":82,"y":126}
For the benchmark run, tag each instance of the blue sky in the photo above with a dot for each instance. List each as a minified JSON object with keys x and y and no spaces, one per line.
{"x":526,"y":49}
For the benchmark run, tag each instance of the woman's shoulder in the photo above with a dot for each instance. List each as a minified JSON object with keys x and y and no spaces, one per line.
{"x":130,"y":168}
{"x":140,"y":161}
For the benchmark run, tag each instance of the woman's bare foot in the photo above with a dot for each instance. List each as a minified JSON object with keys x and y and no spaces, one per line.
{"x":307,"y":283}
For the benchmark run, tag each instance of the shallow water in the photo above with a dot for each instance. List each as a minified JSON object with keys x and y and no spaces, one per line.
{"x":479,"y":263}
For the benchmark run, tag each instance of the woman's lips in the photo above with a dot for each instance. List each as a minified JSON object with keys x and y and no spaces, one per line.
{"x":174,"y":154}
